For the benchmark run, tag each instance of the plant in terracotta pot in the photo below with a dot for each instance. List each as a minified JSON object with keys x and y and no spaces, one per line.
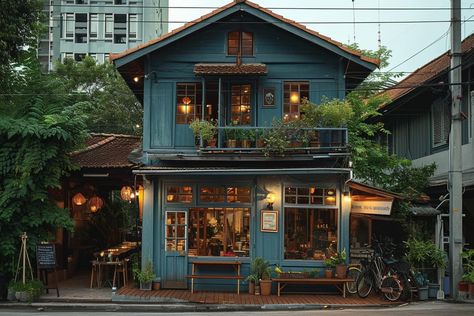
{"x":339,"y":261}
{"x":260,"y":268}
{"x":205,"y":130}
{"x":246,"y":138}
{"x":252,"y":279}
{"x":328,"y":273}
{"x":145,"y":276}
{"x":468,"y":265}
{"x":266,"y":281}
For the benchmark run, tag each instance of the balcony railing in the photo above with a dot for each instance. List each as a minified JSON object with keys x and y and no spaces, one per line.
{"x":271,"y":140}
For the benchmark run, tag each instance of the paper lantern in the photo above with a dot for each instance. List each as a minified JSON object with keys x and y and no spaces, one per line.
{"x":79,"y":199}
{"x":294,"y":97}
{"x":95,"y":204}
{"x":126,"y":193}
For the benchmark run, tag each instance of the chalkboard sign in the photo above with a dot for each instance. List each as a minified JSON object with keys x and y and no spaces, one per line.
{"x":46,"y":256}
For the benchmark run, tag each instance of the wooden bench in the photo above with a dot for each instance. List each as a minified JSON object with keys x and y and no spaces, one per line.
{"x":233,"y":264}
{"x":338,"y":283}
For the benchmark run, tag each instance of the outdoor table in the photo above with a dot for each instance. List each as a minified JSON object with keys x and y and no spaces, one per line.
{"x":234,"y":264}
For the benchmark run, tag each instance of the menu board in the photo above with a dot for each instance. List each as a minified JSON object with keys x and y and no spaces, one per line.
{"x":46,"y":256}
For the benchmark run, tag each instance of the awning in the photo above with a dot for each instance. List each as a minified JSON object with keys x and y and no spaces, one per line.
{"x":424,"y":211}
{"x":237,"y":171}
{"x":370,"y":200}
{"x":230,"y":69}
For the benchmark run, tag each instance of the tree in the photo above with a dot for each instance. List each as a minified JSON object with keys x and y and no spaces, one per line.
{"x":114,"y":108}
{"x":39,"y":125}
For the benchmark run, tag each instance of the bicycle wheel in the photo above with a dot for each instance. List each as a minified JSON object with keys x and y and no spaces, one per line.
{"x":391,"y":288}
{"x":352,"y":273}
{"x":364,"y":284}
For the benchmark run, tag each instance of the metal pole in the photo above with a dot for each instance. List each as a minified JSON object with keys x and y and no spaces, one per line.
{"x":455,"y":152}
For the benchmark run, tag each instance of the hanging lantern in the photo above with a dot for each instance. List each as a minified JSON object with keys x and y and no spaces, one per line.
{"x":79,"y":199}
{"x":126,"y":193}
{"x":95,"y":204}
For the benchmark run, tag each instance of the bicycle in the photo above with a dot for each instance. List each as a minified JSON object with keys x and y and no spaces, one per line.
{"x":379,"y":276}
{"x":353,"y":272}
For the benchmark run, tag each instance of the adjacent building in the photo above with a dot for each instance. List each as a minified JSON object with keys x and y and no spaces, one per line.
{"x":77,"y":28}
{"x":241,"y":66}
{"x":419,"y":120}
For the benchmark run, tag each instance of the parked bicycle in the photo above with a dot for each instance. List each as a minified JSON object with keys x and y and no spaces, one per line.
{"x":378,"y":275}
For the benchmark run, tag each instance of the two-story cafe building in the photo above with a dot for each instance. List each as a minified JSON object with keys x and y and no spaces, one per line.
{"x":240,"y":66}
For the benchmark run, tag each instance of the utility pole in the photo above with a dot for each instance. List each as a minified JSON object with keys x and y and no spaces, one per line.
{"x":455,"y":152}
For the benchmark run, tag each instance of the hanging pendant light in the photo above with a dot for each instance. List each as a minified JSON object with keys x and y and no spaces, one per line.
{"x":79,"y":199}
{"x":126,"y":193}
{"x":95,"y":204}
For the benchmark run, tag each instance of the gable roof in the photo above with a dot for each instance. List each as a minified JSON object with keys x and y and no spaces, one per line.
{"x":196,"y":24}
{"x":106,"y":151}
{"x":425,"y":73}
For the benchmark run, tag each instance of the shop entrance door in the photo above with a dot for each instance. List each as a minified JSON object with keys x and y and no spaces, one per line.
{"x":176,"y":259}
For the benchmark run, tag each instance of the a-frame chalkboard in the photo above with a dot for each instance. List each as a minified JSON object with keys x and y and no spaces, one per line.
{"x":46,"y":261}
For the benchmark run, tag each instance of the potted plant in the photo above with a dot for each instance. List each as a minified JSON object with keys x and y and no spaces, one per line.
{"x":276,"y":139}
{"x":339,"y":261}
{"x":266,"y":281}
{"x":328,"y":273}
{"x":246,"y":138}
{"x":232,"y":134}
{"x":252,"y":279}
{"x":145,"y":276}
{"x":205,"y":130}
{"x":260,"y":268}
{"x":468,"y":276}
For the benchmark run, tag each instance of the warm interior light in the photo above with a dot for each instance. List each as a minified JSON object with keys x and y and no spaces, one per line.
{"x":330,"y":192}
{"x":270,"y":200}
{"x":186,"y":100}
{"x":330,"y":198}
{"x":170,"y":197}
{"x":294,"y":97}
{"x":79,"y":199}
{"x":347,"y":196}
{"x":136,"y":78}
{"x":126,"y":193}
{"x":95,"y":204}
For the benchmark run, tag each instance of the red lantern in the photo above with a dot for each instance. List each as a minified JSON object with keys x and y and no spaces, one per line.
{"x":126,"y":193}
{"x":95,"y":204}
{"x":79,"y":199}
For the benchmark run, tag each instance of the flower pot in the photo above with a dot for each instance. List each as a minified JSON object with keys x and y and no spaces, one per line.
{"x":231,"y":143}
{"x":341,"y":270}
{"x":146,"y":286}
{"x":471,"y":290}
{"x":246,"y":143}
{"x":251,"y":287}
{"x":257,"y":289}
{"x":260,"y":143}
{"x":212,"y":143}
{"x":156,"y":285}
{"x":423,"y":293}
{"x":328,"y":273}
{"x":433,"y":290}
{"x":265,"y":287}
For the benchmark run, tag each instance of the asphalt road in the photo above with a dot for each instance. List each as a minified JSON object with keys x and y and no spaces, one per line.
{"x":416,"y":309}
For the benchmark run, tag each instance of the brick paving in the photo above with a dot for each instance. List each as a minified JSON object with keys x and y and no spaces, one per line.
{"x":245,"y":298}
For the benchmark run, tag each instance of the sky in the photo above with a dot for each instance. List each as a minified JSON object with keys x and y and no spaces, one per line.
{"x":404,"y":40}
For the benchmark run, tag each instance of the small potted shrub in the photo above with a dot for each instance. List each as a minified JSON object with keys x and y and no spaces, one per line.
{"x":328,"y":273}
{"x":232,"y":134}
{"x":206,"y":130}
{"x":266,"y":281}
{"x":260,"y":268}
{"x":145,"y":276}
{"x":252,"y":279}
{"x":246,"y":138}
{"x":314,"y":273}
{"x":339,"y":261}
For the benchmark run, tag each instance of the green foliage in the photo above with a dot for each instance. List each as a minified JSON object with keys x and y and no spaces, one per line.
{"x":336,"y":258}
{"x":330,"y":113}
{"x":420,"y":253}
{"x":260,"y":269}
{"x":146,"y":275}
{"x":276,"y":138}
{"x":113,"y":106}
{"x":207,"y":130}
{"x":37,"y":131}
{"x":468,"y":265}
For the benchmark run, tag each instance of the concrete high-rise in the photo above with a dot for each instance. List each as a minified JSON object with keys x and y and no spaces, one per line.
{"x":77,"y":28}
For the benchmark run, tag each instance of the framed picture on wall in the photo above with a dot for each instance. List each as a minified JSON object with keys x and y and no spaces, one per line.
{"x":268,"y":97}
{"x":269,"y":221}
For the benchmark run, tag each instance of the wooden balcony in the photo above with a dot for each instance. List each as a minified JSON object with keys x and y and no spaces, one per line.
{"x":271,"y":141}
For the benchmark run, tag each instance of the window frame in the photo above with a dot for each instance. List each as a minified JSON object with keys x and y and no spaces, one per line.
{"x":240,"y":44}
{"x":287,"y":115}
{"x":440,"y":110}
{"x":96,"y":23}
{"x":197,"y":102}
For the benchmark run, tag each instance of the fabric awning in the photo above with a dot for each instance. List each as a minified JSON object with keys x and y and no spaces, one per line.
{"x":230,"y":69}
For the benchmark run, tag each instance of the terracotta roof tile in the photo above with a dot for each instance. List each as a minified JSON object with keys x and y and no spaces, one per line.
{"x":106,"y":151}
{"x":256,"y":6}
{"x":230,"y":69}
{"x":426,"y":73}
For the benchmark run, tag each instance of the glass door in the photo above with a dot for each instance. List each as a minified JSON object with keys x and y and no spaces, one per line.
{"x":176,"y":235}
{"x":241,"y":104}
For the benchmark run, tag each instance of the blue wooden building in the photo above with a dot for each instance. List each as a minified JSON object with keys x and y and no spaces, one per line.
{"x":241,"y":66}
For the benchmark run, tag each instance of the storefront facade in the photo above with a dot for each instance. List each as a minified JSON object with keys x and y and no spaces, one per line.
{"x":240,"y":68}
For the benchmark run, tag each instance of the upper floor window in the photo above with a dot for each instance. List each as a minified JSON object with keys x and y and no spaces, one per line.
{"x":241,"y":105}
{"x":68,"y":25}
{"x":294,"y":93}
{"x":94,"y":25}
{"x":120,"y":28}
{"x":240,"y":43}
{"x":81,"y":28}
{"x":132,"y":26}
{"x":120,"y":2}
{"x":188,"y":102}
{"x":109,"y":25}
{"x":440,"y":123}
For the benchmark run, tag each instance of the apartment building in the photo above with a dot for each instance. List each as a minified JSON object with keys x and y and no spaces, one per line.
{"x":99,"y":27}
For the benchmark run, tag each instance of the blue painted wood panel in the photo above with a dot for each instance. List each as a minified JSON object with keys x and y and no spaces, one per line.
{"x":162,"y":115}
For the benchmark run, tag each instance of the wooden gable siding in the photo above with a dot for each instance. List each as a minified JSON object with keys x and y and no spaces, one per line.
{"x":287,"y":57}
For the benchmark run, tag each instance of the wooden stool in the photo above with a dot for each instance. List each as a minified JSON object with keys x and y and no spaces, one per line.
{"x":120,"y":268}
{"x":95,"y":272}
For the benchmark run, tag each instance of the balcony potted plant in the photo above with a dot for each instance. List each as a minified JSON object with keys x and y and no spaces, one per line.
{"x":206,"y":130}
{"x":232,"y":135}
{"x":145,"y":276}
{"x":246,"y":137}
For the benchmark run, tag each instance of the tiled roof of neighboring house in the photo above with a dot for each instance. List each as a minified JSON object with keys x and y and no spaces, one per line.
{"x":426,"y":73}
{"x":230,"y":69}
{"x":255,"y":6}
{"x":106,"y":151}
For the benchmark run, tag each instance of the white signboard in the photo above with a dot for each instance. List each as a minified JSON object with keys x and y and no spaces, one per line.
{"x":372,"y":207}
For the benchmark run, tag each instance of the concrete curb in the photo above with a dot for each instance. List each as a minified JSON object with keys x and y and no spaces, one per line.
{"x":181,"y":308}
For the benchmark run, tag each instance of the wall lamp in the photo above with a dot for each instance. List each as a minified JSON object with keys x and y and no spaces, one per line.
{"x":347,"y":196}
{"x":270,"y":200}
{"x":151,"y":75}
